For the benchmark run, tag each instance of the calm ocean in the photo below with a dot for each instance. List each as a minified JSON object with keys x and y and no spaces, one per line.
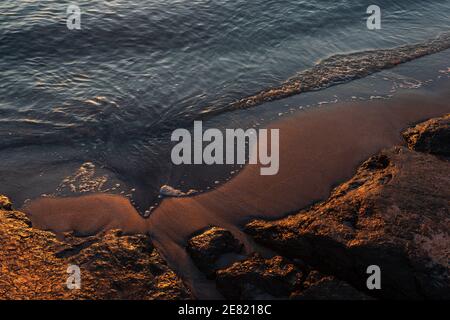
{"x":111,"y":93}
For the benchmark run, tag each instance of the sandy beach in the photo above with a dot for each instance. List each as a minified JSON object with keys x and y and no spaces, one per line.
{"x":319,"y":148}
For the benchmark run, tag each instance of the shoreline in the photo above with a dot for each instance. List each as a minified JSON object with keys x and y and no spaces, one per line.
{"x":335,"y":138}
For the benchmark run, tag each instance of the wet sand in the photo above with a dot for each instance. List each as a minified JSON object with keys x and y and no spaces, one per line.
{"x":319,"y":148}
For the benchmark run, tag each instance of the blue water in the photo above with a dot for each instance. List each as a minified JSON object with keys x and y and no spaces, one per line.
{"x":112,"y":92}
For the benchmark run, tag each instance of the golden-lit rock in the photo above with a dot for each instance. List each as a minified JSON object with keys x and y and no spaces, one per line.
{"x":34,"y":264}
{"x":5,"y":203}
{"x":394,"y":213}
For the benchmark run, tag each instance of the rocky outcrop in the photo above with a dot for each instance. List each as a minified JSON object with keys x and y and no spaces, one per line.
{"x":124,"y":267}
{"x":432,"y":136}
{"x":34,"y":265}
{"x":394,"y":213}
{"x":258,"y":278}
{"x":277,"y":278}
{"x":209,"y":246}
{"x":316,"y":286}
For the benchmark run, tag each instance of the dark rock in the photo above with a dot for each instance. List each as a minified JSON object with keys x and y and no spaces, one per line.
{"x":432,"y":136}
{"x":277,"y":278}
{"x":393,"y":213}
{"x":258,"y":278}
{"x":206,"y":248}
{"x":319,"y":287}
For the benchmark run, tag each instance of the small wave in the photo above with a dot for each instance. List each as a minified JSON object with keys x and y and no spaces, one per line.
{"x":84,"y":180}
{"x":340,"y":68}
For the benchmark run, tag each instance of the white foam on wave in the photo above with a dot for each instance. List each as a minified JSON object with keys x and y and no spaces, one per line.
{"x":168,"y":191}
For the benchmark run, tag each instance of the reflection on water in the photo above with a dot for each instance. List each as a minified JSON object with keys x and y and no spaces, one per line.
{"x":111,"y":93}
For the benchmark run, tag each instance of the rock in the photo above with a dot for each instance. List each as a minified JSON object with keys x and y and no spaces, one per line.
{"x":432,"y":136}
{"x":255,"y":277}
{"x":125,"y":267}
{"x":258,"y":278}
{"x":320,"y":287}
{"x":394,"y":213}
{"x":206,"y":248}
{"x":29,"y":269}
{"x":113,"y":265}
{"x":277,"y":278}
{"x":5,"y":203}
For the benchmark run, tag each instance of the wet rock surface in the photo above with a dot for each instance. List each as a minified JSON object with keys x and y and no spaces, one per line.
{"x":209,"y":246}
{"x":394,"y":213}
{"x":34,"y":264}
